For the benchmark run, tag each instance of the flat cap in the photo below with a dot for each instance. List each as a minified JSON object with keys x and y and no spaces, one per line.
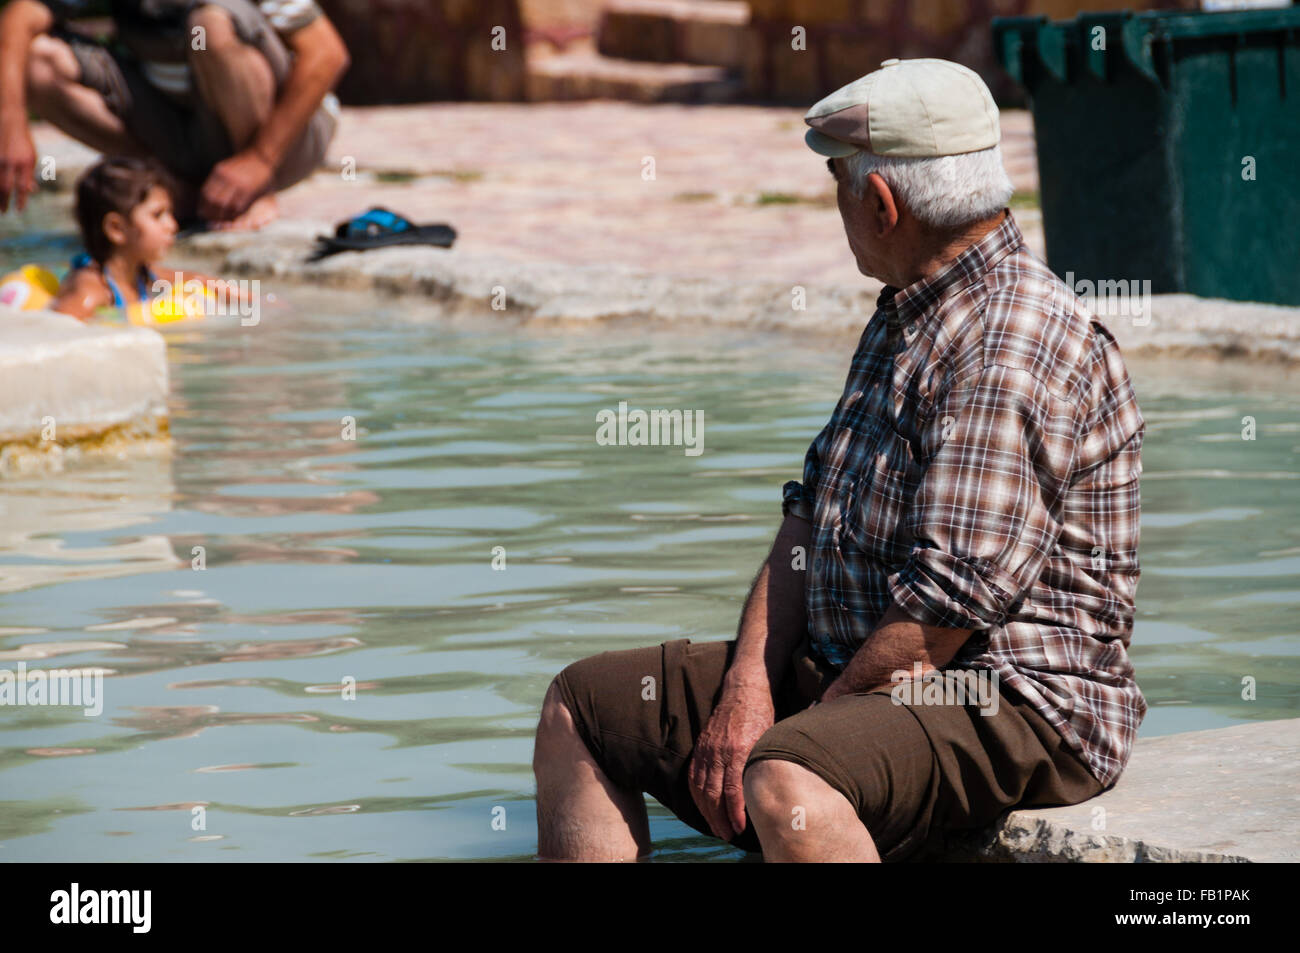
{"x":922,"y":107}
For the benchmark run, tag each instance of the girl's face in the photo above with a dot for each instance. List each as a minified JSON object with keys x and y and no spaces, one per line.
{"x":151,"y":229}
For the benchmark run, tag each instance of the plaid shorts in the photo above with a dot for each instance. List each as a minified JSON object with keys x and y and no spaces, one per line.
{"x":911,"y":771}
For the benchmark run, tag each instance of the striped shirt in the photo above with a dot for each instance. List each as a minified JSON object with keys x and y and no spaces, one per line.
{"x":981,"y":472}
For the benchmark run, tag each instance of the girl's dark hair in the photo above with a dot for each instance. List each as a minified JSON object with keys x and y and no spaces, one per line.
{"x":117,"y":185}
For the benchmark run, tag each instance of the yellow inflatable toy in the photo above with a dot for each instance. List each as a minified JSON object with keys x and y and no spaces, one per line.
{"x":33,"y":288}
{"x":30,"y":288}
{"x":183,"y":304}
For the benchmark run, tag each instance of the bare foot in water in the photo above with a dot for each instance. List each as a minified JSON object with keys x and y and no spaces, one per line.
{"x":263,"y":211}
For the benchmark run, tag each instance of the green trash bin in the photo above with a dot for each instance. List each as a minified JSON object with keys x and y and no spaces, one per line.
{"x":1168,"y":146}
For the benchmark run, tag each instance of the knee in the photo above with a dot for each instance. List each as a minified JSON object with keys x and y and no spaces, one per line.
{"x":49,"y":63}
{"x":775,"y":791}
{"x":556,"y":720}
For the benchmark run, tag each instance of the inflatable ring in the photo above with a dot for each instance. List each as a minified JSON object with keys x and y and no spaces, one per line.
{"x":181,"y":305}
{"x":30,"y":288}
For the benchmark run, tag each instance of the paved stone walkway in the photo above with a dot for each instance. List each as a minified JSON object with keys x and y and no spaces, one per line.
{"x":735,"y":194}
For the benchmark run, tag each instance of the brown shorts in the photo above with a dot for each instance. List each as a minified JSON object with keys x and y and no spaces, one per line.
{"x":912,"y":772}
{"x":188,"y":137}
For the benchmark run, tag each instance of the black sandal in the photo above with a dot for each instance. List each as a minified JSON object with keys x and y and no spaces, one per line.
{"x":380,"y":228}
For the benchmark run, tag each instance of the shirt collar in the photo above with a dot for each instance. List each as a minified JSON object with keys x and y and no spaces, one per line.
{"x":903,"y":307}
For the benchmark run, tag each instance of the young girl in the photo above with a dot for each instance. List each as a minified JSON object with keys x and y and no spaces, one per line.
{"x":124,"y":209}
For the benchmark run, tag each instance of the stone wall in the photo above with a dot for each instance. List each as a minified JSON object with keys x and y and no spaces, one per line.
{"x":421,"y":50}
{"x":847,"y":38}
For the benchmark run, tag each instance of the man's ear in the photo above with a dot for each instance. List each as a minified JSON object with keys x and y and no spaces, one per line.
{"x":880,"y":203}
{"x":114,"y":226}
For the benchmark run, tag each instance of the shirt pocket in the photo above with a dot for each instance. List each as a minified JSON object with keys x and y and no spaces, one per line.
{"x":875,"y":513}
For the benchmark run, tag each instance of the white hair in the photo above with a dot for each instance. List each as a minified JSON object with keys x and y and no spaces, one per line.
{"x":941,"y":191}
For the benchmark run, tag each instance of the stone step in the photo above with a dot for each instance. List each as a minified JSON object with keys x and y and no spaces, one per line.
{"x":588,"y":75}
{"x":704,"y":32}
{"x":1224,"y":795}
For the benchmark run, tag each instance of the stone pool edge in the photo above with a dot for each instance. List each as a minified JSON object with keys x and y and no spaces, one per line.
{"x":70,"y":390}
{"x":565,"y":296}
{"x":1221,"y":795}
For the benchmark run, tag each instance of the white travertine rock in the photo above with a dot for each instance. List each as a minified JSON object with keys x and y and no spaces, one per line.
{"x":88,"y":378}
{"x":559,"y":294}
{"x":1227,"y":795}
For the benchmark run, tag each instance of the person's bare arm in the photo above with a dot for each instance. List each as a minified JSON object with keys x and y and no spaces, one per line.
{"x":774,"y":618}
{"x":185,"y":281}
{"x":319,"y":59}
{"x":20,"y":22}
{"x":81,"y":294}
{"x":897,"y":643}
{"x":773,"y":622}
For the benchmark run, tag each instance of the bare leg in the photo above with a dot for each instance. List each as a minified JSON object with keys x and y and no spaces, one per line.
{"x":55,"y":94}
{"x":235,"y":81}
{"x":581,"y":814}
{"x":800,"y":818}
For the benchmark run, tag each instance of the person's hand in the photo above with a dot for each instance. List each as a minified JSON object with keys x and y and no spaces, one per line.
{"x":233,"y":184}
{"x":17,"y":162}
{"x":718,"y":765}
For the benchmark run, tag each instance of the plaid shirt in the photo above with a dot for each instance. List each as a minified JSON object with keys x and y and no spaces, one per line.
{"x":981,"y":472}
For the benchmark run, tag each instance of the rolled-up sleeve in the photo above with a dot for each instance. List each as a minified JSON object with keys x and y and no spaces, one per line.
{"x":998,"y":453}
{"x":799,"y":498}
{"x":290,"y":16}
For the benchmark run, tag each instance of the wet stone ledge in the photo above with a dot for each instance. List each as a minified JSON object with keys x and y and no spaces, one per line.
{"x":1227,"y":795}
{"x":69,"y":387}
{"x":466,"y":284}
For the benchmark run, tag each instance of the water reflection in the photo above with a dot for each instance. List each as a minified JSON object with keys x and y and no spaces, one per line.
{"x":60,"y":528}
{"x":328,"y":561}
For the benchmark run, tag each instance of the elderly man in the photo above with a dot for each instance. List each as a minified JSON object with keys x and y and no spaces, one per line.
{"x":232,"y":96}
{"x":969,"y":515}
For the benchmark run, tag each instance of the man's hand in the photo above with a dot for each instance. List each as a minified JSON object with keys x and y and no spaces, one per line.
{"x":718,"y":765}
{"x":771,"y":625}
{"x":233,"y":184}
{"x":897,"y":644}
{"x":840,"y":687}
{"x":17,"y":162}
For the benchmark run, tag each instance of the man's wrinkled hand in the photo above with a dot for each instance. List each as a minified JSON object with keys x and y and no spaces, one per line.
{"x":717,"y":767}
{"x":17,"y":163}
{"x":233,"y":185}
